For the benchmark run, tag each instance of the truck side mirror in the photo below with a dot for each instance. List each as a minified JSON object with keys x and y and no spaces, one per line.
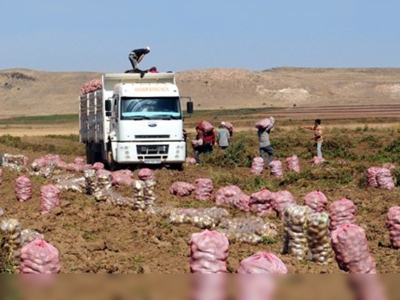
{"x":107,"y":107}
{"x":189,"y":107}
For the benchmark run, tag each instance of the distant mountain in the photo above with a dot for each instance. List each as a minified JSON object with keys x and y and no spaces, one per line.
{"x":30,"y":92}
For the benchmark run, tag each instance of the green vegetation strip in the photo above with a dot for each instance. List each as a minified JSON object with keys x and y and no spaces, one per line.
{"x":53,"y":119}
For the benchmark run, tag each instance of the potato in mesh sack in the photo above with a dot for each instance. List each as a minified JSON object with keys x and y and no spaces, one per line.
{"x":145,"y":174}
{"x":318,"y":238}
{"x":39,"y":257}
{"x":233,"y":196}
{"x":257,"y":276}
{"x":208,"y":252}
{"x":293,"y":163}
{"x":23,"y":188}
{"x":249,"y":230}
{"x":203,"y":189}
{"x":351,"y":250}
{"x":262,"y":262}
{"x":260,"y":202}
{"x":257,"y":166}
{"x":12,"y":239}
{"x":49,"y":198}
{"x":201,"y":217}
{"x":316,"y":200}
{"x":180,"y":188}
{"x":341,"y":212}
{"x":294,"y":228}
{"x":276,"y":168}
{"x":393,"y":225}
{"x":279,"y":200}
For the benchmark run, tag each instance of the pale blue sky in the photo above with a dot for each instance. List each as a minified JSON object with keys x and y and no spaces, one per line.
{"x":79,"y":35}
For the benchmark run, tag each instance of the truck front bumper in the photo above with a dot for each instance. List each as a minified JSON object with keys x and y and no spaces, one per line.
{"x":149,"y":153}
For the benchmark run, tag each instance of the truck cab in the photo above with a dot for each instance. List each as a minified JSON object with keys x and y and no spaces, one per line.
{"x":142,"y":121}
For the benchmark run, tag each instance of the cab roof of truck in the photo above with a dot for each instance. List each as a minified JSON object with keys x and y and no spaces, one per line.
{"x":135,"y":77}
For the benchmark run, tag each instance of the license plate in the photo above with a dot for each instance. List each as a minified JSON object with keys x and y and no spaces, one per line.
{"x":152,"y":161}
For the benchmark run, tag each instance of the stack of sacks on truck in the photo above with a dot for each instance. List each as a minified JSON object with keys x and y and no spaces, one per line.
{"x":264,"y":267}
{"x":203,"y":189}
{"x":91,"y":86}
{"x":252,"y":230}
{"x":23,"y":188}
{"x":380,"y":178}
{"x":293,"y":163}
{"x":232,"y":196}
{"x":257,"y":166}
{"x":181,"y":188}
{"x":393,"y":225}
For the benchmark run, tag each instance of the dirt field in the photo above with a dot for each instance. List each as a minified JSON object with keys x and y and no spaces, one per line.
{"x":93,"y":237}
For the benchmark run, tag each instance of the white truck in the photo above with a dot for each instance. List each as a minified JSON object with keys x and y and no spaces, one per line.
{"x":132,"y":120}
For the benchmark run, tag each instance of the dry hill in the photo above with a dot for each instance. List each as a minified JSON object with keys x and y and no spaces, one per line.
{"x":31,"y":92}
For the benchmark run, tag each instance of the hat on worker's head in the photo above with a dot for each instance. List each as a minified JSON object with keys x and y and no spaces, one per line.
{"x":223,"y":123}
{"x":147,"y":48}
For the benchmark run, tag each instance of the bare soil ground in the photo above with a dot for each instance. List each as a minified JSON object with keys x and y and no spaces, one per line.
{"x":96,"y":238}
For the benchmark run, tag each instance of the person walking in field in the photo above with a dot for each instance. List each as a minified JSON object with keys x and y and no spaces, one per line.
{"x":265,"y":143}
{"x":197,"y":144}
{"x":318,"y":138}
{"x":223,"y":136}
{"x":136,"y":56}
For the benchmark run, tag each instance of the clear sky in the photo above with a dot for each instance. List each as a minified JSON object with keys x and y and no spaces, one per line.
{"x":86,"y":35}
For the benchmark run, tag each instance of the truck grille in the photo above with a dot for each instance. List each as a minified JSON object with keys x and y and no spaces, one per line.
{"x":162,"y":136}
{"x":152,"y":149}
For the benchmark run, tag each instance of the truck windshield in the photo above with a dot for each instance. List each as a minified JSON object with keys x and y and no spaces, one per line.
{"x":150,"y":108}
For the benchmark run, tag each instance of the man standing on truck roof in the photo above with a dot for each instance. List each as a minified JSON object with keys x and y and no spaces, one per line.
{"x":136,"y":57}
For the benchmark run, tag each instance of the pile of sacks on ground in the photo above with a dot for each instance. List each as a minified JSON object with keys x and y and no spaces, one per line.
{"x":28,"y":251}
{"x":209,"y":252}
{"x":381,"y":177}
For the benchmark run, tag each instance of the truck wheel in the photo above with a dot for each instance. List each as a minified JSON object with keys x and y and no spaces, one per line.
{"x":112,"y":164}
{"x":178,"y":167}
{"x":89,"y":158}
